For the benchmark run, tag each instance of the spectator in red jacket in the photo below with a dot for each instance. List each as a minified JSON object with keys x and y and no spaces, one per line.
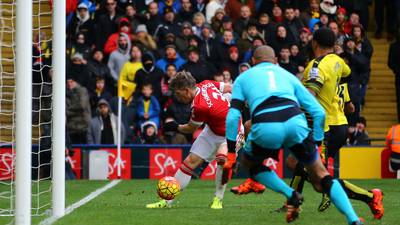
{"x":112,"y":42}
{"x":232,"y":7}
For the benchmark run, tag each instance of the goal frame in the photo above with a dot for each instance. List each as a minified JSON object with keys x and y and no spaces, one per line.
{"x":23,"y":119}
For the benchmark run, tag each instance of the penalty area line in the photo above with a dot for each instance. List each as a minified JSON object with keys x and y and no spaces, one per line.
{"x":81,"y":202}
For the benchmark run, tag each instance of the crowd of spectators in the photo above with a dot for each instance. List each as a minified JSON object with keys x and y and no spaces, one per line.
{"x":133,"y":47}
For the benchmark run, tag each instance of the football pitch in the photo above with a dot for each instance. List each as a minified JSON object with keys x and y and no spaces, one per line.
{"x":125,"y":204}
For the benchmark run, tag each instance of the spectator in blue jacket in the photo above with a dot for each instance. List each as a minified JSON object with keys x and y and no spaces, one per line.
{"x":147,"y":107}
{"x":170,"y":57}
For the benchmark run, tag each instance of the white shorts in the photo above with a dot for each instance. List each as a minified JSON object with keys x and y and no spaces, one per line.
{"x":207,"y":144}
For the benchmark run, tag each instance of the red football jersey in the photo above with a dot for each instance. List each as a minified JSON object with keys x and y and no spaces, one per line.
{"x":210,"y":106}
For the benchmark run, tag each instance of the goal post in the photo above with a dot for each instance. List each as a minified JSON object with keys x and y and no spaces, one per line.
{"x":30,"y":189}
{"x":23,"y":119}
{"x":58,"y":131}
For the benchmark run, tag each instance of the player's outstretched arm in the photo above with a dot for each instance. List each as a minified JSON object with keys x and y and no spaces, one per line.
{"x":188,"y":128}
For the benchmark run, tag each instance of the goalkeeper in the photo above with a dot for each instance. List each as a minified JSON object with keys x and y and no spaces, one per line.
{"x":274,"y":96}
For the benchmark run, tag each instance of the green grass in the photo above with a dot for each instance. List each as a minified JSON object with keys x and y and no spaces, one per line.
{"x":75,"y":190}
{"x":125,"y":204}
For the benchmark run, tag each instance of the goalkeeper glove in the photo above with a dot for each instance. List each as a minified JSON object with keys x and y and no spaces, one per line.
{"x":171,"y":126}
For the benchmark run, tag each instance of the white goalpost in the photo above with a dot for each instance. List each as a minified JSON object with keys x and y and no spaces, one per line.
{"x":32,"y":109}
{"x":23,"y":120}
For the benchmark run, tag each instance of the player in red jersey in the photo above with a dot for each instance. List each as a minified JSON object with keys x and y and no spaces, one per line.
{"x":209,"y":106}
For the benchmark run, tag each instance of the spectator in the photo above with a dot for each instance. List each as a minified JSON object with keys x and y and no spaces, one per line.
{"x":198,"y":21}
{"x":266,"y":27}
{"x":119,"y":57}
{"x":227,"y":25}
{"x":131,"y":15}
{"x":359,"y":71}
{"x":248,"y":36}
{"x":182,"y":40}
{"x":103,"y":126}
{"x":173,"y":137}
{"x":80,"y":46}
{"x":171,"y":56}
{"x":232,"y":7}
{"x":257,"y":41}
{"x":216,"y":20}
{"x":293,"y":25}
{"x":200,"y":6}
{"x":147,"y":107}
{"x":149,"y":74}
{"x":284,"y":61}
{"x":222,"y":48}
{"x":341,"y":19}
{"x":77,"y":109}
{"x":277,"y":15}
{"x":358,"y":134}
{"x":199,"y":68}
{"x":169,"y":73}
{"x":243,"y":67}
{"x":174,"y":5}
{"x":212,"y":7}
{"x":281,"y":39}
{"x":99,"y":92}
{"x":207,"y":42}
{"x":314,"y":9}
{"x":242,"y":23}
{"x":148,"y":134}
{"x":152,"y":19}
{"x":394,"y":65}
{"x":298,"y":57}
{"x":107,"y":23}
{"x":97,"y":68}
{"x":180,"y":113}
{"x":232,"y":65}
{"x":335,"y":28}
{"x":186,"y":12}
{"x":144,"y":39}
{"x":227,"y":77}
{"x":79,"y":70}
{"x":112,"y":42}
{"x":82,"y":23}
{"x":219,"y":77}
{"x":168,"y":25}
{"x":362,"y":42}
{"x":323,"y":21}
{"x":353,"y":21}
{"x":390,"y":18}
{"x":305,"y":43}
{"x":364,"y":46}
{"x":127,"y":75}
{"x":328,"y":7}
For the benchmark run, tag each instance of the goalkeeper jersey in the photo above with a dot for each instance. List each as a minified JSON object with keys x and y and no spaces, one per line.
{"x":322,"y":75}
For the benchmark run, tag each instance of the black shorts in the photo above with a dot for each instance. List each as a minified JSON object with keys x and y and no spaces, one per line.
{"x":306,"y":152}
{"x":335,"y":138}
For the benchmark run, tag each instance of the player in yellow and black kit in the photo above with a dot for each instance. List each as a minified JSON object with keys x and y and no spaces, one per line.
{"x":322,"y":77}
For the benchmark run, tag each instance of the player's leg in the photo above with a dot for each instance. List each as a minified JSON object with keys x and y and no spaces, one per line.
{"x":307,"y":153}
{"x":337,"y":138}
{"x":249,"y":185}
{"x":199,"y":151}
{"x":219,"y":187}
{"x":300,"y":175}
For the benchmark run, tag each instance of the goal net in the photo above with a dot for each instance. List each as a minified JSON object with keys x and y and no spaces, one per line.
{"x":38,"y":148}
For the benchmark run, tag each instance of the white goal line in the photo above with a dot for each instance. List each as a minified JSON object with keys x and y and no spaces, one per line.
{"x":81,"y":202}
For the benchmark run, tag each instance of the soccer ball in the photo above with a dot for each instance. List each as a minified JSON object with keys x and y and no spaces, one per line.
{"x":168,"y":188}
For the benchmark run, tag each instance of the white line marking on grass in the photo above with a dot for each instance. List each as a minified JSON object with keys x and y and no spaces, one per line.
{"x":81,"y":202}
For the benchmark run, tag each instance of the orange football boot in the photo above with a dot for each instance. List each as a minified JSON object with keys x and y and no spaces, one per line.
{"x":248,"y":186}
{"x":376,"y":205}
